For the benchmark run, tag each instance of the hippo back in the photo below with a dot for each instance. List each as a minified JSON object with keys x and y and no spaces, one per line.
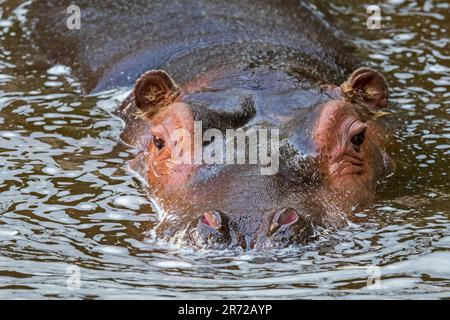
{"x":119,"y":40}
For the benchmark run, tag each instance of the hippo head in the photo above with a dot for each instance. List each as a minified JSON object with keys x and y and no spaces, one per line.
{"x":310,"y":153}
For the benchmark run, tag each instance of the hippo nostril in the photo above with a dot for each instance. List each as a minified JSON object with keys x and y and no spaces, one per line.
{"x":287,"y":217}
{"x":212,"y":219}
{"x":213,"y":230}
{"x":284,"y":217}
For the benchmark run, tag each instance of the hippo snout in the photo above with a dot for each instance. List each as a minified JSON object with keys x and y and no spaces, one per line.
{"x":283,"y":219}
{"x":278,"y":228}
{"x":206,"y":146}
{"x":213,"y":229}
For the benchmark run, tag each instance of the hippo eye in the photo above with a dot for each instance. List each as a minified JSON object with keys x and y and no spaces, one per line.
{"x":358,"y":139}
{"x":159,"y":143}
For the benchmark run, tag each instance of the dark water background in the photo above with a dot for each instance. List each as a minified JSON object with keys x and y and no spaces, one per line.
{"x":68,"y":204}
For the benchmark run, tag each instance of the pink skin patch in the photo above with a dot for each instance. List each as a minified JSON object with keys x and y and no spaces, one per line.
{"x":212,"y":219}
{"x":283,"y":217}
{"x":287,"y":217}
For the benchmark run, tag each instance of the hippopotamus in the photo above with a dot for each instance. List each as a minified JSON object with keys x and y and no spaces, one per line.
{"x":269,"y":66}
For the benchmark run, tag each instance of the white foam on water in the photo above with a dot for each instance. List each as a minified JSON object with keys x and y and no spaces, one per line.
{"x":9,"y":134}
{"x":111,"y":102}
{"x":65,"y":109}
{"x":5,"y":23}
{"x":51,"y":170}
{"x":86,"y":206}
{"x":246,"y":257}
{"x":396,"y":2}
{"x":8,"y":233}
{"x":445,"y":242}
{"x":171,"y":264}
{"x":398,"y":283}
{"x":436,"y":264}
{"x":59,"y":70}
{"x":5,"y":77}
{"x":116,"y":216}
{"x":73,"y":174}
{"x":112,"y":250}
{"x":21,"y":12}
{"x":130,"y":202}
{"x":53,"y":83}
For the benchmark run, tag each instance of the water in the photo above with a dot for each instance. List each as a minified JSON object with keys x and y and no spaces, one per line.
{"x":69,"y":206}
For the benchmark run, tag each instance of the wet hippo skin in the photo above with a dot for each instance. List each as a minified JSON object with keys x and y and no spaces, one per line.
{"x":232,"y":64}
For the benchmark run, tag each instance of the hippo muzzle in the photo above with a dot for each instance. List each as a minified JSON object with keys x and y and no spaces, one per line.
{"x":275,"y":229}
{"x":329,"y":156}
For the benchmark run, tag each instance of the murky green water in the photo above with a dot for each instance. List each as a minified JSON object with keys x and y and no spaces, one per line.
{"x":69,"y":205}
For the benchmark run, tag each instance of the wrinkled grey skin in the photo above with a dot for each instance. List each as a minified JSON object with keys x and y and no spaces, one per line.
{"x":280,"y":54}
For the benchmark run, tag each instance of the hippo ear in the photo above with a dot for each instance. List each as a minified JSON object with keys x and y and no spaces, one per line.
{"x":154,"y":90}
{"x":369,"y":85}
